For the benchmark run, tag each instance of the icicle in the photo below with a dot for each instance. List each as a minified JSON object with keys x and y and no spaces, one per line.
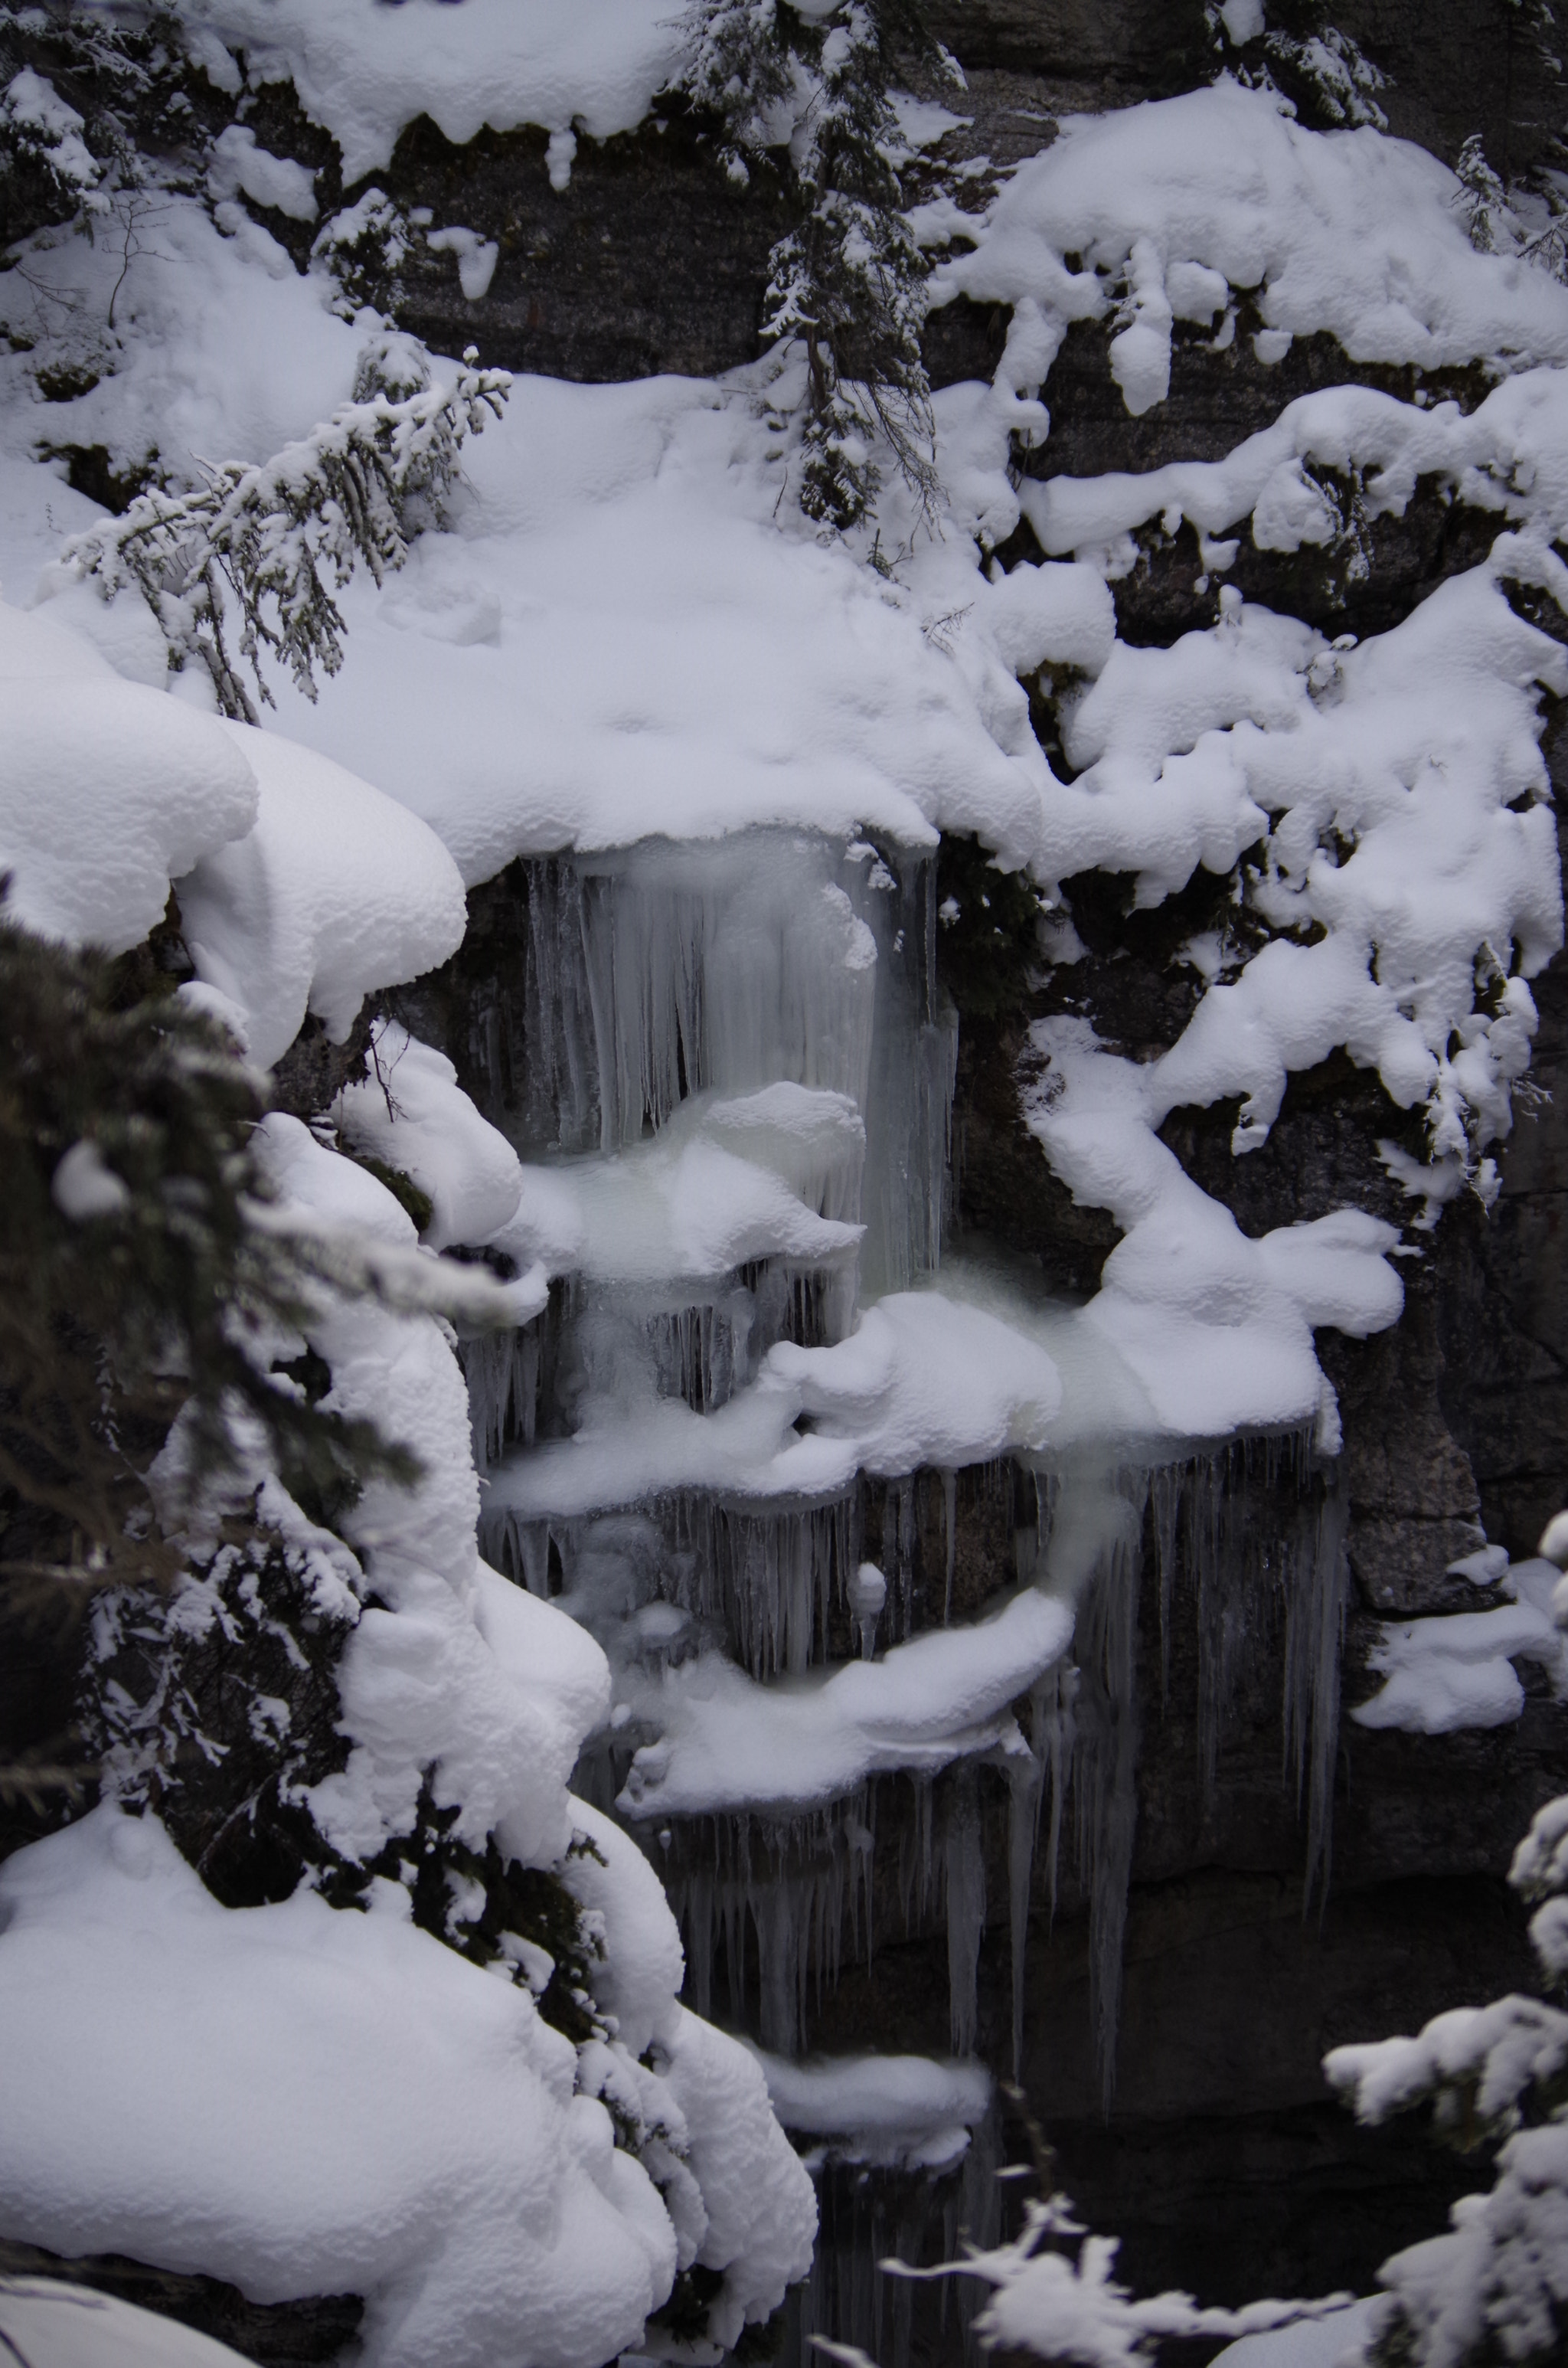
{"x":964,"y":1859}
{"x":909,"y":1112}
{"x":1315,"y":1633}
{"x":1167,"y":1487}
{"x":697,"y":1923}
{"x":502,"y":1370}
{"x":1232,"y":1611}
{"x":917,"y":1860}
{"x":1104,"y":1762}
{"x":1055,"y":1736}
{"x":1023,"y":1827}
{"x":556,"y":1096}
{"x":795,"y":1883}
{"x":770,"y":1576}
{"x":868,"y":1595}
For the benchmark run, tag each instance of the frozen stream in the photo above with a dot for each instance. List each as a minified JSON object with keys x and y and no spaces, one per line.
{"x":744,"y":1439}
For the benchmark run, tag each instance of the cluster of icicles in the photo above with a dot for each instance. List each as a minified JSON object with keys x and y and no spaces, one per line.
{"x":620,"y":986}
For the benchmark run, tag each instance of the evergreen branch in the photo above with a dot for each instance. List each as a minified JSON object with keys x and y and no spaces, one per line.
{"x":273,"y":543}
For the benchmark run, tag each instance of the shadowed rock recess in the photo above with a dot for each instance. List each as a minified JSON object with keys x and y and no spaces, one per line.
{"x":1222,"y":1873}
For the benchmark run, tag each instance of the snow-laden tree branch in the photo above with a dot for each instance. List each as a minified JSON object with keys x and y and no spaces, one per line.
{"x":267,"y":546}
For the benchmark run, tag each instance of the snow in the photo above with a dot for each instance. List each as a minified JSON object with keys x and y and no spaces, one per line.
{"x":425,"y":1693}
{"x":762,"y":2214}
{"x":1216,"y":1327}
{"x":900,"y":2113}
{"x":365,"y":73}
{"x":1488,"y":2055}
{"x":1494,"y":2277}
{"x":82,"y":1187}
{"x":1049,"y":2303}
{"x":219,"y":350}
{"x":477,"y":258}
{"x":630,"y":654}
{"x":239,"y":163}
{"x":1509,"y":455}
{"x":1347,"y":231}
{"x":307,"y":2101}
{"x":619,"y":640}
{"x":1455,"y":1670}
{"x":644,"y":1964}
{"x":923,"y":1380}
{"x":51,"y":2324}
{"x":107,"y":790}
{"x":463,"y":2174}
{"x":730,"y":1743}
{"x":335,"y":890}
{"x":411,"y":1114}
{"x":1311,"y":2343}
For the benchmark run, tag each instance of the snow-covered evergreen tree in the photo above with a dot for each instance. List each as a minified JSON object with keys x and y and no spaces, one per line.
{"x":848,"y":282}
{"x":1495,"y":2286}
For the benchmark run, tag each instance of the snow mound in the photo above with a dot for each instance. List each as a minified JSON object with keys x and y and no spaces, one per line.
{"x":922,"y":1380}
{"x":1509,"y":455}
{"x":412,"y":1113}
{"x":108,"y":790}
{"x":337,"y":890}
{"x":1167,"y":207}
{"x":1216,"y":1327}
{"x":425,"y":1692}
{"x":730,"y":1743}
{"x":657,"y":657}
{"x":364,"y":71}
{"x":904,"y":2112}
{"x":1456,"y":1669}
{"x":222,"y":350}
{"x":308,"y":2100}
{"x":761,"y":2211}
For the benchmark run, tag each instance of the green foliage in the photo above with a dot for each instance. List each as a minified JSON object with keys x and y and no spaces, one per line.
{"x":71,"y":139}
{"x":416,"y":1204}
{"x":478,"y":1902}
{"x":848,"y":282}
{"x":134,"y":1285}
